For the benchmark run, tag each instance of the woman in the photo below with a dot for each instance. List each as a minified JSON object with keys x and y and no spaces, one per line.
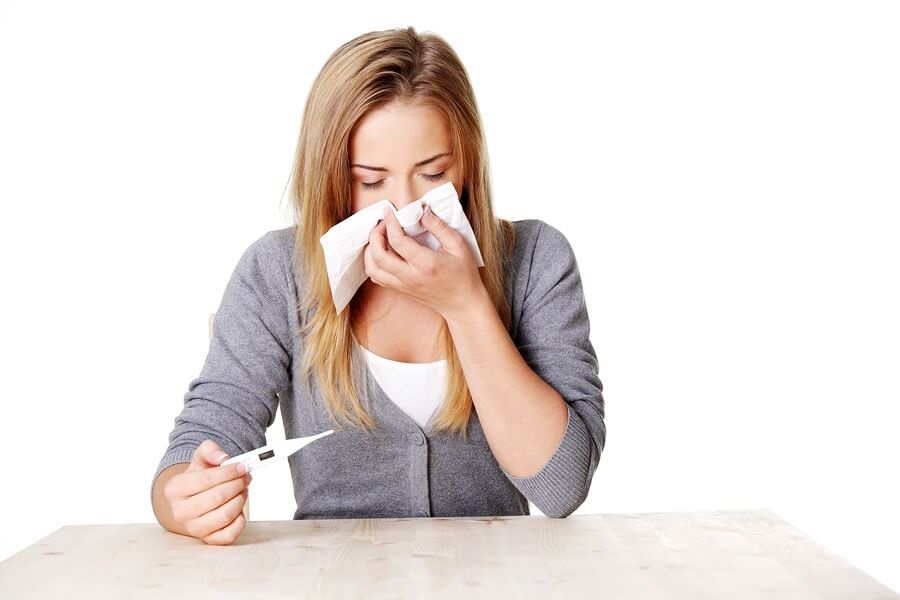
{"x":453,"y":390}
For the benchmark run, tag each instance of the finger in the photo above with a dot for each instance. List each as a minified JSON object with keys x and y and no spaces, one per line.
{"x":211,"y":499}
{"x":229,"y":534}
{"x":212,"y":524}
{"x":448,"y":237}
{"x":195,"y":482}
{"x":383,"y":257}
{"x":404,"y":246}
{"x":367,"y":261}
{"x":216,"y":518}
{"x":378,"y":239}
{"x":378,"y":275}
{"x":207,"y":454}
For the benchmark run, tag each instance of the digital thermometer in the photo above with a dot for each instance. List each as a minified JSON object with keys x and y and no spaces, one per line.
{"x":274,"y":452}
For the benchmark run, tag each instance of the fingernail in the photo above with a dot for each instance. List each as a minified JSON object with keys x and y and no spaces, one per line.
{"x":221,"y":456}
{"x":242,"y":468}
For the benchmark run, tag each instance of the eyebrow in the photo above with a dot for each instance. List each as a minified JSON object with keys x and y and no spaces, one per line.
{"x":418,"y":164}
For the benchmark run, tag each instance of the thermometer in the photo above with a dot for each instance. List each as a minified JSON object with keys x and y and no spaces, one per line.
{"x":274,"y":452}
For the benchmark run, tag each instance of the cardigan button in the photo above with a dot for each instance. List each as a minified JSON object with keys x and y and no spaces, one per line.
{"x":422,"y":513}
{"x":417,"y":438}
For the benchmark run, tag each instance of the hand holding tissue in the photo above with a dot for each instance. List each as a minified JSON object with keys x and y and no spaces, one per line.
{"x":344,"y":244}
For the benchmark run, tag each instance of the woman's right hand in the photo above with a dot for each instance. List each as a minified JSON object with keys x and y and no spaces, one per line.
{"x":208,"y":500}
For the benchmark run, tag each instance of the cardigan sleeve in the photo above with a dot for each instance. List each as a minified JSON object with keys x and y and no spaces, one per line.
{"x":554,"y":340}
{"x":234,"y":399}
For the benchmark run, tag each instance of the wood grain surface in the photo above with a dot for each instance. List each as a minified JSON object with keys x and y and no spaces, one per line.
{"x":693,"y":555}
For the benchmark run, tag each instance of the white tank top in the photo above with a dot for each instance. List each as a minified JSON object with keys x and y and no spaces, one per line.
{"x":417,"y":388}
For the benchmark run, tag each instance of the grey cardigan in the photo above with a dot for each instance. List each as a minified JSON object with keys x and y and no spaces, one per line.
{"x":401,"y":469}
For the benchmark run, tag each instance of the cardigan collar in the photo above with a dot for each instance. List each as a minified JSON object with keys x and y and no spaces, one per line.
{"x":378,"y":403}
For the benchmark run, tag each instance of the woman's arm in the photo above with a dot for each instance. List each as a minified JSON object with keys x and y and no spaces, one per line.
{"x":523,"y":418}
{"x":539,"y":399}
{"x":235,"y":397}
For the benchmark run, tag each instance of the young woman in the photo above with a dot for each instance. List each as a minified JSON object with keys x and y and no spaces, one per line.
{"x":453,"y":389}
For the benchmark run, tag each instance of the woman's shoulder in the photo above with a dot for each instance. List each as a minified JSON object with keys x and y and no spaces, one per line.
{"x":273,"y":240}
{"x":282,"y":239}
{"x":539,"y":243}
{"x":267,"y":260}
{"x":276,"y":246}
{"x":542,"y":259}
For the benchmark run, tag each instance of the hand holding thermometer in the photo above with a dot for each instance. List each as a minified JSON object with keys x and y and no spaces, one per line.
{"x":273,"y":452}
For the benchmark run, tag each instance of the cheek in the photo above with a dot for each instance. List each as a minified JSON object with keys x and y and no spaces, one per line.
{"x":458,"y":184}
{"x":360,"y":199}
{"x":456,"y":177}
{"x":355,"y":200}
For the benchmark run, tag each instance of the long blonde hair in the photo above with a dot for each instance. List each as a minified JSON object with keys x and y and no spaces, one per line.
{"x":365,"y":73}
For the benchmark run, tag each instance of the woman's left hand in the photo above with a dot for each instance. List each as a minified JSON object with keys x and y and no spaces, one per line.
{"x":447,"y":281}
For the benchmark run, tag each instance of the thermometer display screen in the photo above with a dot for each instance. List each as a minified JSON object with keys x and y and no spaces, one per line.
{"x":267,"y":454}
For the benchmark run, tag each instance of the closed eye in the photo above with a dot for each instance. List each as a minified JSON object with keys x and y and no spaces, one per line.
{"x":377,"y":184}
{"x":435,"y":177}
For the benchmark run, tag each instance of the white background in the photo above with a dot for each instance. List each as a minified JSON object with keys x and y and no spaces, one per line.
{"x":727,"y":174}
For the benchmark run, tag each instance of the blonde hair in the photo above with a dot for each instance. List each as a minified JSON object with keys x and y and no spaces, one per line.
{"x":363,"y":74}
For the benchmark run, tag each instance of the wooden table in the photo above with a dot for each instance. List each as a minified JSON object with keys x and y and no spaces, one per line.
{"x":691,"y":555}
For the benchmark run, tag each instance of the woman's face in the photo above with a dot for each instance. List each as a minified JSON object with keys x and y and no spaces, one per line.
{"x":399,"y":152}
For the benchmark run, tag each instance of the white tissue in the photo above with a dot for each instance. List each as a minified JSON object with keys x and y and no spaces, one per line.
{"x":345,"y":242}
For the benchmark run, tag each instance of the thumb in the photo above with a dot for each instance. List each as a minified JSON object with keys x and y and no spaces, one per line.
{"x":208,"y":454}
{"x":446,"y":235}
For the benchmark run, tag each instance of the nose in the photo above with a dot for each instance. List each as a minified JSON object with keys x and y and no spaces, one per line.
{"x":402,"y":194}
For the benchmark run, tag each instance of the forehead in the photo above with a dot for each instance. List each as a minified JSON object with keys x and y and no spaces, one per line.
{"x":399,"y":131}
